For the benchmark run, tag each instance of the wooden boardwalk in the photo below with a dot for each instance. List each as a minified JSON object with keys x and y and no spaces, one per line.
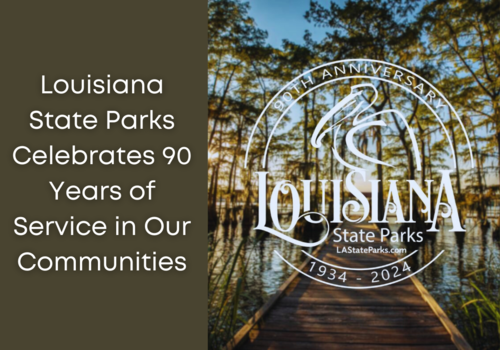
{"x":306,"y":314}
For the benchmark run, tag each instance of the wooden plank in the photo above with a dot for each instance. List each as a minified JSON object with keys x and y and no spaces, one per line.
{"x":353,"y":338}
{"x":290,"y":310}
{"x":274,"y":345}
{"x":350,"y":301}
{"x":346,"y":329}
{"x":301,"y":284}
{"x":353,"y":321}
{"x":343,"y":293}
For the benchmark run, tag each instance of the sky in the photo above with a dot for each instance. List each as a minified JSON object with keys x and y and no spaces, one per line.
{"x":284,"y":19}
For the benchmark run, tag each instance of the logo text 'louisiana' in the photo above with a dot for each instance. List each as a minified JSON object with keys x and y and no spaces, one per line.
{"x":360,"y":204}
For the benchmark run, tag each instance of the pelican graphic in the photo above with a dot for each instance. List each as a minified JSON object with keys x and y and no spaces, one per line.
{"x":361,"y":120}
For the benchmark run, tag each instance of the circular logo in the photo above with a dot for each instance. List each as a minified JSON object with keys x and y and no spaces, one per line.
{"x":347,"y":155}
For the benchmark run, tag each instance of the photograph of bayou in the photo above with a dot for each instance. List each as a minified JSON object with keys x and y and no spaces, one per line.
{"x":257,"y":47}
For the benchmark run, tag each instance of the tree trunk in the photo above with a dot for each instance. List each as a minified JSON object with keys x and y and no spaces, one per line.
{"x":380,"y":177}
{"x":306,"y":141}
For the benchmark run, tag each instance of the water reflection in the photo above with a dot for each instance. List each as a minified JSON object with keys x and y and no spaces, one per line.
{"x":465,"y":252}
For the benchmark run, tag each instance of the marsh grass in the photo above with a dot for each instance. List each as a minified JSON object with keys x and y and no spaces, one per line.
{"x":478,"y":312}
{"x":226,"y":291}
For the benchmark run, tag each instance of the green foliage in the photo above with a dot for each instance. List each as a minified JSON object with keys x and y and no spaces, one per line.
{"x":227,"y":276}
{"x":479,"y":312}
{"x":225,"y":284}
